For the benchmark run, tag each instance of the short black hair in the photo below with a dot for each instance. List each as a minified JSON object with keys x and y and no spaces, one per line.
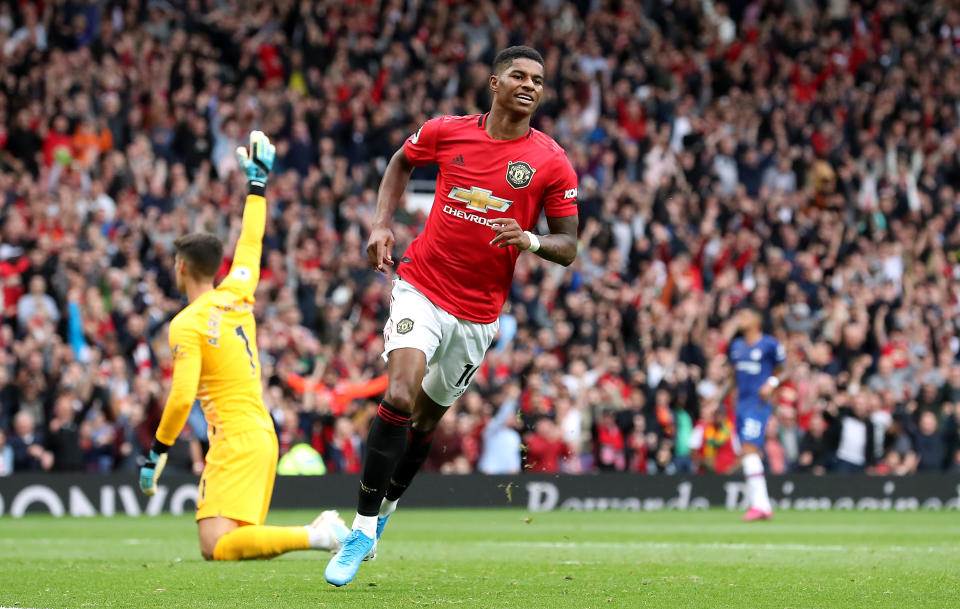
{"x":505,"y":57}
{"x":751,"y":307}
{"x":202,"y":253}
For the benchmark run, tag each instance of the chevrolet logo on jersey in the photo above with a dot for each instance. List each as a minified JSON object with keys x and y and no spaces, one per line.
{"x":479,"y":199}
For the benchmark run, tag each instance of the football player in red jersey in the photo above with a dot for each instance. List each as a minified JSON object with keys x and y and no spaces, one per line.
{"x":497,"y":175}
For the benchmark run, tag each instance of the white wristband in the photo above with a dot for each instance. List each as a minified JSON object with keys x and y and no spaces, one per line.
{"x":534,"y":242}
{"x":773,"y":382}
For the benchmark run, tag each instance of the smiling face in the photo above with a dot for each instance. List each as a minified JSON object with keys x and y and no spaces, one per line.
{"x":519,"y":86}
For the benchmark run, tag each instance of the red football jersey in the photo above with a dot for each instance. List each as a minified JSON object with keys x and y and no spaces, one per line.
{"x":481,"y":181}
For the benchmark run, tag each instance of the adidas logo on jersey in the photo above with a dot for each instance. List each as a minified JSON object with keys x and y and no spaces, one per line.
{"x":458,"y":160}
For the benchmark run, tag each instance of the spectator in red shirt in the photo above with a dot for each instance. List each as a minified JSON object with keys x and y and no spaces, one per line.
{"x":545,"y":448}
{"x":611,"y":454}
{"x":58,"y":145}
{"x":632,"y":118}
{"x":11,"y":281}
{"x":344,"y":451}
{"x":638,"y":443}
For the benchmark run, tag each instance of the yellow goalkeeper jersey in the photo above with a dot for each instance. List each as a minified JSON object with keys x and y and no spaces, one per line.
{"x":214,"y":346}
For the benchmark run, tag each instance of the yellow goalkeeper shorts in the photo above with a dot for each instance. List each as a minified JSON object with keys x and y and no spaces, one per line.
{"x":237,"y":482}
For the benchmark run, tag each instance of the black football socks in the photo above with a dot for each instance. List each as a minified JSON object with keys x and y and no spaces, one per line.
{"x":386,"y":444}
{"x":418,"y":449}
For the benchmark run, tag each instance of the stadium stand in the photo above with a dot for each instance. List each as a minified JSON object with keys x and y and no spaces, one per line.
{"x":801,"y":156}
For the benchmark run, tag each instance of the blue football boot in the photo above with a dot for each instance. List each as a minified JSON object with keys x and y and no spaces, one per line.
{"x":342,"y":568}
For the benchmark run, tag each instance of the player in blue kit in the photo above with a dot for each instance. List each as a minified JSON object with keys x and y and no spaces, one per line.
{"x":757,"y":360}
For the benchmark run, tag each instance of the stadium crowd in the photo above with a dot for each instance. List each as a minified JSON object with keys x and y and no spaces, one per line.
{"x":800,"y":156}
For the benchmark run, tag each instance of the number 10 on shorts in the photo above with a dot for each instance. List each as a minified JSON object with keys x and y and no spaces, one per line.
{"x":467,"y":376}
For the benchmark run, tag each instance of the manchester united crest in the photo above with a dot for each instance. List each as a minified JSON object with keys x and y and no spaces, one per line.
{"x":404,"y":325}
{"x":519,"y":174}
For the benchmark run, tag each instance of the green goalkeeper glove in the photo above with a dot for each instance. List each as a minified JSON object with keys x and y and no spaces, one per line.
{"x":259,"y":161}
{"x":152,"y":468}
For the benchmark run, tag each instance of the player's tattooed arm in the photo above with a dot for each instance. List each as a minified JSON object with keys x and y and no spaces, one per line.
{"x":395,"y":179}
{"x":559,"y":246}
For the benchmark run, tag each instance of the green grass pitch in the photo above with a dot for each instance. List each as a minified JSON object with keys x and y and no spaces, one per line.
{"x":505,"y":558}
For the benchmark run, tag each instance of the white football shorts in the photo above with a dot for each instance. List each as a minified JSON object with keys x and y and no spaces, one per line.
{"x":454,"y":347}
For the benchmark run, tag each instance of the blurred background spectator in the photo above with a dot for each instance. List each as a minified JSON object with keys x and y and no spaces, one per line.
{"x":27,"y":445}
{"x":501,"y":441}
{"x":6,"y":455}
{"x":801,"y":157}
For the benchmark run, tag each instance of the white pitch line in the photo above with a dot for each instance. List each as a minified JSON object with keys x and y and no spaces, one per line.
{"x":68,"y":541}
{"x":793,"y":547}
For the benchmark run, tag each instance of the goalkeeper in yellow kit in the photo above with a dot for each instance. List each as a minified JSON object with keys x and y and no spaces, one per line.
{"x":213,"y":341}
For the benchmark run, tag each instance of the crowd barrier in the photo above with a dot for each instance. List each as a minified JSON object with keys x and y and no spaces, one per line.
{"x":110,"y":495}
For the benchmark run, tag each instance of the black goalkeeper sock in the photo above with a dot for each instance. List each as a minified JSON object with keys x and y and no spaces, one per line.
{"x":418,"y":449}
{"x":385,"y":445}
